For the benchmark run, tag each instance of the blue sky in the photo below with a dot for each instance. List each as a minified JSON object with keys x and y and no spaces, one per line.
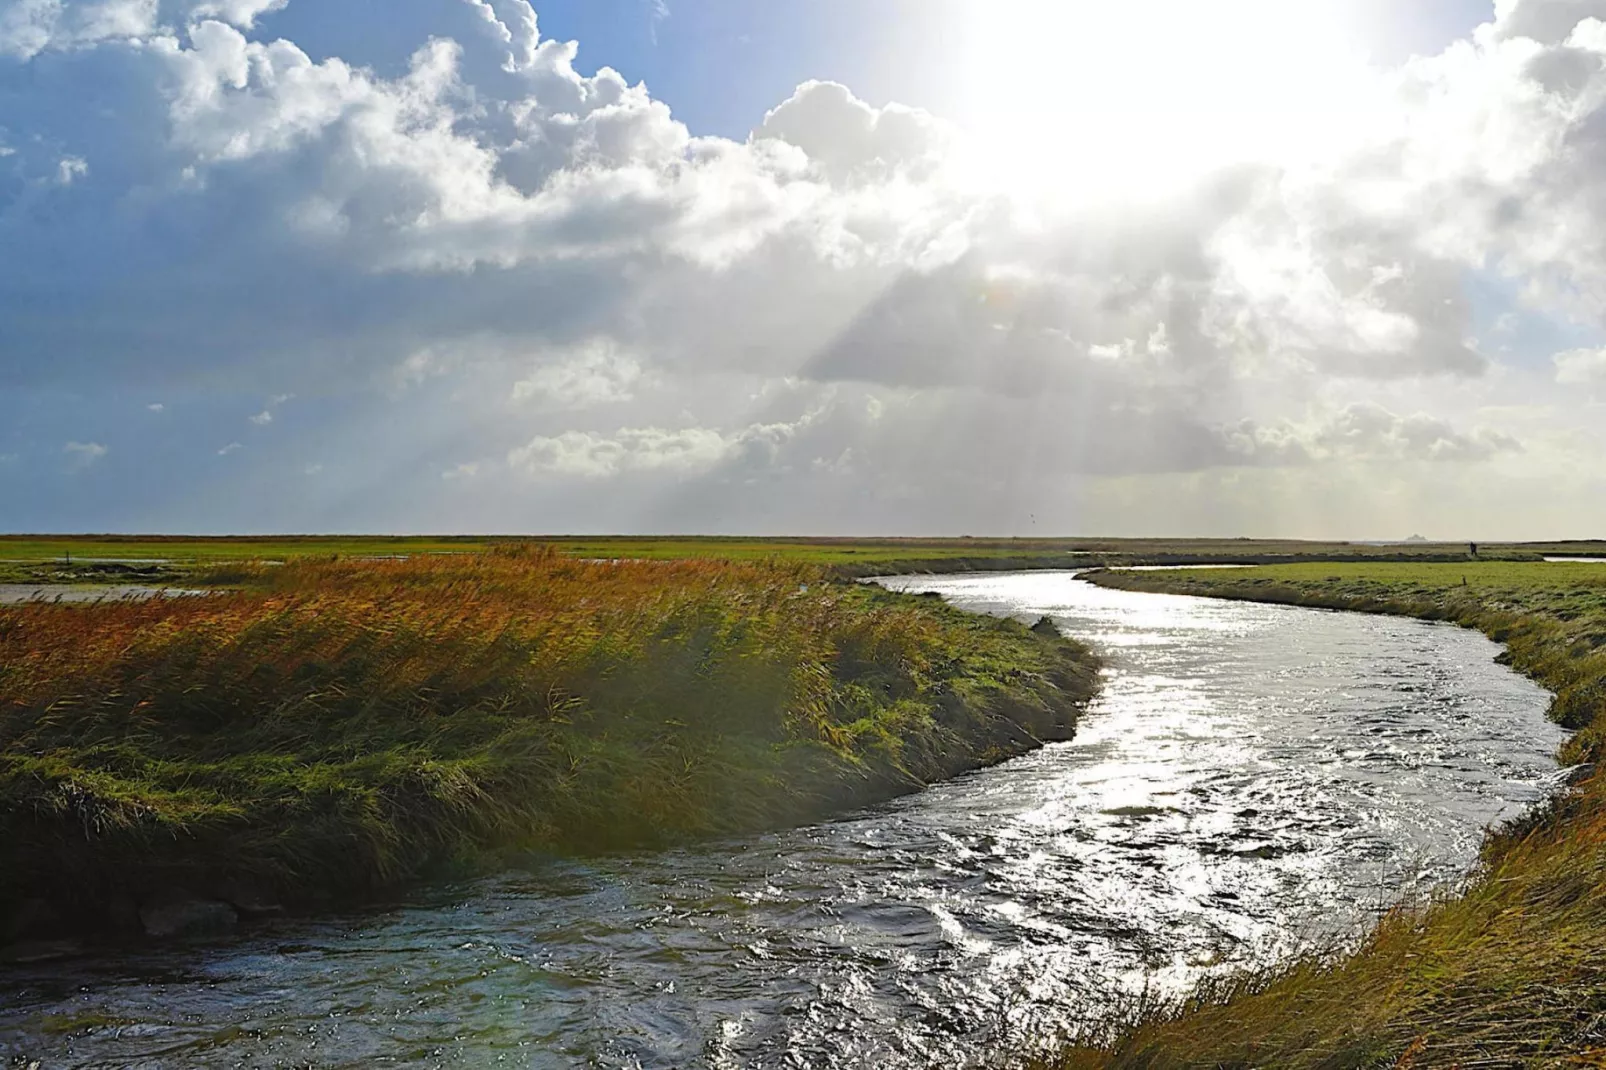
{"x":721,"y":64}
{"x":1213,"y":268}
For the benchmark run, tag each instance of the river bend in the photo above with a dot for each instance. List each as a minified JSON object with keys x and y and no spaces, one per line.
{"x":1252,"y":779}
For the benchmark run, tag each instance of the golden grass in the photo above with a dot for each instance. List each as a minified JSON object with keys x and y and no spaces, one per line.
{"x":1510,"y":973}
{"x":341,"y":725}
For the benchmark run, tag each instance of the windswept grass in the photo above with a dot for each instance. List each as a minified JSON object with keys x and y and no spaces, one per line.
{"x":1510,"y":973}
{"x":342,"y":725}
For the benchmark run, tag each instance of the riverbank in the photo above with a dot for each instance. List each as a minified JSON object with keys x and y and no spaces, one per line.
{"x":337,"y":727}
{"x":1510,"y":973}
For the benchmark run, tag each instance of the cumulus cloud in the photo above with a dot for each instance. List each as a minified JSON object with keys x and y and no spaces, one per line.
{"x":242,"y":13}
{"x":81,"y":455}
{"x":1548,"y":22}
{"x":498,"y":244}
{"x":29,"y":27}
{"x":70,"y":169}
{"x":230,"y":448}
{"x":594,"y":373}
{"x":847,"y":138}
{"x":581,"y":453}
{"x":1366,"y":432}
{"x":649,"y":449}
{"x":513,"y":22}
{"x":1578,"y":366}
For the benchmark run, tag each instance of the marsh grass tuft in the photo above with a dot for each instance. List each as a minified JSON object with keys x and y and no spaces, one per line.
{"x":338,"y":726}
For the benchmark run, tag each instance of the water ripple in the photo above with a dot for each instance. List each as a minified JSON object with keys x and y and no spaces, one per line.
{"x":1253,"y":779}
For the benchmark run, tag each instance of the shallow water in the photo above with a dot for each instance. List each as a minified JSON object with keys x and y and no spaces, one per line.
{"x":12,"y":593}
{"x":1252,"y":778}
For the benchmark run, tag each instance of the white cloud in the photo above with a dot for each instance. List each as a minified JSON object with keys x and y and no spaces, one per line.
{"x":29,"y":27}
{"x":426,"y":363}
{"x":848,"y":138}
{"x":1546,"y":21}
{"x":1578,"y":366}
{"x":70,"y":169}
{"x":564,"y":233}
{"x":513,"y":22}
{"x":155,"y":406}
{"x":1367,"y":432}
{"x":657,"y":12}
{"x":241,"y":13}
{"x":81,"y":455}
{"x":637,"y":449}
{"x":265,"y":417}
{"x":592,"y":374}
{"x":581,"y":453}
{"x":230,"y":448}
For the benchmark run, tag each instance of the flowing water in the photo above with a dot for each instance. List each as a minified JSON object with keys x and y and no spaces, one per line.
{"x":1253,"y":778}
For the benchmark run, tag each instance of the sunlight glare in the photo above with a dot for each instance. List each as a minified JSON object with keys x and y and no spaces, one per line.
{"x":1082,"y":99}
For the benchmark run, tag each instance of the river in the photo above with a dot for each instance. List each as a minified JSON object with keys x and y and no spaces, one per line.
{"x":1252,"y":780}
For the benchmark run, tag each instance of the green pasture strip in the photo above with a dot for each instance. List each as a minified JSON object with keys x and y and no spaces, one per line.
{"x":852,"y":552}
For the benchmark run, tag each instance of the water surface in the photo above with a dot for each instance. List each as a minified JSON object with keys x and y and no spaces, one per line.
{"x":12,"y":593}
{"x":1252,"y":778}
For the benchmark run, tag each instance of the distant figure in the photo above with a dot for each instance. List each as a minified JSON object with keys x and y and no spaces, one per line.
{"x":1472,"y":549}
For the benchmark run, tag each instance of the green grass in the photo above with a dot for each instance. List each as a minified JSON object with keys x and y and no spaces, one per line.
{"x":42,"y":558}
{"x":1510,"y":973}
{"x":337,"y":726}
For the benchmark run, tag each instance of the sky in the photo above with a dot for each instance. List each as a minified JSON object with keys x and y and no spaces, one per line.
{"x":1323,"y":269}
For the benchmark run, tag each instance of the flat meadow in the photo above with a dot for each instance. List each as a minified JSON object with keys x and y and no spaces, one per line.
{"x":92,"y":558}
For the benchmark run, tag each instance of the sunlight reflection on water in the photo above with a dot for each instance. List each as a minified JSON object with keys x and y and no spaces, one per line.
{"x":1252,"y":778}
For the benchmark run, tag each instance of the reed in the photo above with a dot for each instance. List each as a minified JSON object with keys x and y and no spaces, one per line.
{"x":337,"y":726}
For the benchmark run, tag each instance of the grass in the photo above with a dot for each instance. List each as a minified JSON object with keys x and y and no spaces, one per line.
{"x":1512,"y":971}
{"x":44,"y":558}
{"x":337,"y":725}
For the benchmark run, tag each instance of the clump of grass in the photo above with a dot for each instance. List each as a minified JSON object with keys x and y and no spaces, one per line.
{"x":337,"y":726}
{"x":1511,"y":970}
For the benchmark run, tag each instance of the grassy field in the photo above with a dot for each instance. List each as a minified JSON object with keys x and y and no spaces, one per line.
{"x":352,"y":718}
{"x":1513,"y":972}
{"x":88,"y":558}
{"x":335,"y":726}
